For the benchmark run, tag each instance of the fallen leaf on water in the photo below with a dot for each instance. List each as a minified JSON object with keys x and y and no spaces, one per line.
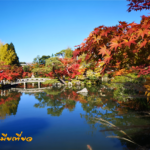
{"x":89,"y":147}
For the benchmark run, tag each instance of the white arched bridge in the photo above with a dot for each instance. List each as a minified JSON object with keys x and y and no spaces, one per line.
{"x":26,"y":80}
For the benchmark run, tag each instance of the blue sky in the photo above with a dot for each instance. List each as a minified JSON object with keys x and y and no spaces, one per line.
{"x":43,"y":27}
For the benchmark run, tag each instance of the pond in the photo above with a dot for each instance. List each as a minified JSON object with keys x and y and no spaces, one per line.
{"x":61,"y":119}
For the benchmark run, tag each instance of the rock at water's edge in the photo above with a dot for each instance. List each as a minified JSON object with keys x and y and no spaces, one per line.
{"x":83,"y":90}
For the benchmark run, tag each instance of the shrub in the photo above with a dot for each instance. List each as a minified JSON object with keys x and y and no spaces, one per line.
{"x":52,"y":81}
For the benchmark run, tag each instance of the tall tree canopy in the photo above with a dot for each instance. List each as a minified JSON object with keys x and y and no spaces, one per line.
{"x":54,"y":61}
{"x":53,"y":65}
{"x":40,"y":60}
{"x":8,"y":54}
{"x":22,"y":62}
{"x":66,"y":53}
{"x":36,"y":59}
{"x":43,"y":59}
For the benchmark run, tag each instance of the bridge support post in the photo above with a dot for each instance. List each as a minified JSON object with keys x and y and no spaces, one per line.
{"x":24,"y":85}
{"x":4,"y":82}
{"x":38,"y":84}
{"x":32,"y":84}
{"x":4,"y":93}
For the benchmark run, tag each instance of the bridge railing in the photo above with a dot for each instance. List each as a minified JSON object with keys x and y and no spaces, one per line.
{"x":24,"y":80}
{"x":32,"y":79}
{"x":5,"y":82}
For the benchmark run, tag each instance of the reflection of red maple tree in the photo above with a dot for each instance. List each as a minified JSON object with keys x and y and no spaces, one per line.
{"x":9,"y":97}
{"x":72,"y":95}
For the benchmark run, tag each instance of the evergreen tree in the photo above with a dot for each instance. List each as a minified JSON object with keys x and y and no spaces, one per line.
{"x":15,"y":61}
{"x":40,"y":60}
{"x":8,"y":54}
{"x":36,"y":59}
{"x":66,"y":53}
{"x":51,"y":64}
{"x":22,"y":62}
{"x":43,"y":59}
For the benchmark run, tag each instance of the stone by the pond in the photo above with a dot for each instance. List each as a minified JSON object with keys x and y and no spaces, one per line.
{"x":83,"y":91}
{"x":77,"y":83}
{"x":54,"y":84}
{"x":70,"y":83}
{"x":58,"y":84}
{"x":105,"y":87}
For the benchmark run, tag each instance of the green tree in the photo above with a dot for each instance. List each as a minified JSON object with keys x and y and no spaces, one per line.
{"x":36,"y":59}
{"x":8,"y":54}
{"x":52,"y":64}
{"x":42,"y":60}
{"x":22,"y":62}
{"x":15,"y":61}
{"x":26,"y":68}
{"x":66,"y":53}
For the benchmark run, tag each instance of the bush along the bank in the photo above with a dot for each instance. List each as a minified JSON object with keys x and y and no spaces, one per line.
{"x":52,"y":81}
{"x":75,"y":82}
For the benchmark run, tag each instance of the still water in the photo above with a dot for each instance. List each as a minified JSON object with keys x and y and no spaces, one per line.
{"x":61,"y":119}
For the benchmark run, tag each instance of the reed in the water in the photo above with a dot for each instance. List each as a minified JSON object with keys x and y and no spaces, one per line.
{"x":106,"y":123}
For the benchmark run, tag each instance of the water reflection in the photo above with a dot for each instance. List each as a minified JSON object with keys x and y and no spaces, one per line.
{"x":132,"y":135}
{"x":57,"y":99}
{"x":8,"y":103}
{"x":122,"y":115}
{"x":118,"y":114}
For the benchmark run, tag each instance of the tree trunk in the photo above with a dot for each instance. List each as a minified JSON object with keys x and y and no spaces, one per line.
{"x":85,"y":72}
{"x":61,"y":80}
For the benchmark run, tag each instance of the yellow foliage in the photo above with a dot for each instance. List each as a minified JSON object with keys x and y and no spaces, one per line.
{"x":98,"y":69}
{"x":82,"y":71}
{"x":147,"y":86}
{"x":89,"y":73}
{"x":148,"y":94}
{"x":81,"y":77}
{"x":8,"y":56}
